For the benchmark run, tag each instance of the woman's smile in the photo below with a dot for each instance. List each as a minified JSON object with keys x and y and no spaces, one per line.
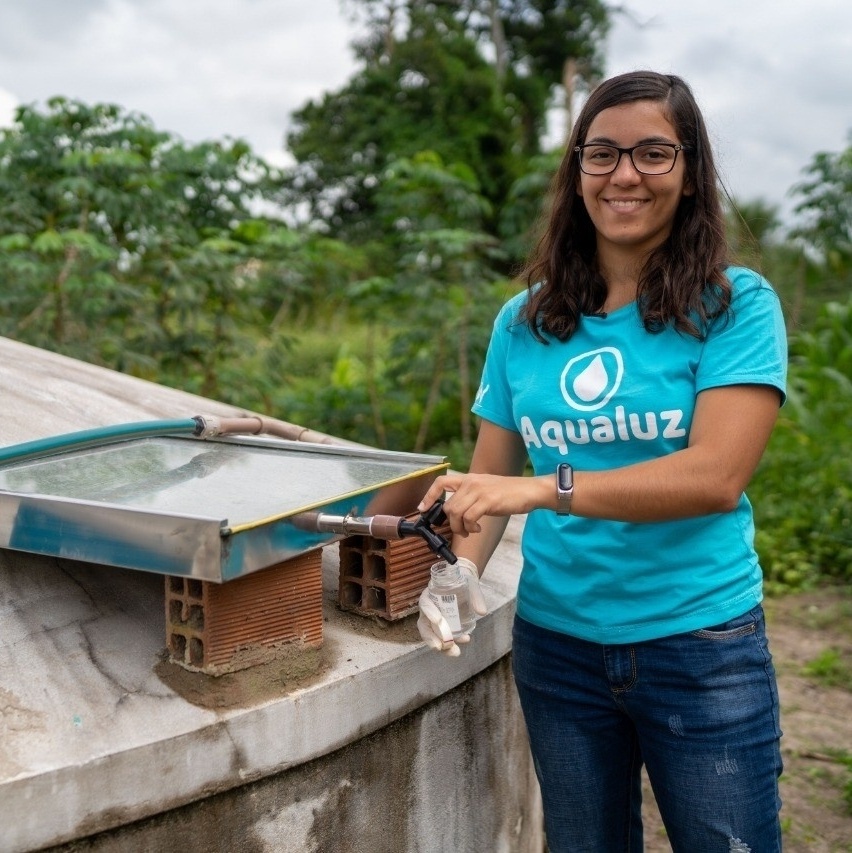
{"x":626,"y":205}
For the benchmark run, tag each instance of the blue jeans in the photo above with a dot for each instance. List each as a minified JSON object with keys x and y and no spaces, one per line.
{"x":699,"y":710}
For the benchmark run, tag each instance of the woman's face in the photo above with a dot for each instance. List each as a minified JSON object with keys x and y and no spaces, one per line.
{"x":632,"y":212}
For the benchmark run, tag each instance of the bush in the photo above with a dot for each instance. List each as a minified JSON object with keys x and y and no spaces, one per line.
{"x":802,"y":491}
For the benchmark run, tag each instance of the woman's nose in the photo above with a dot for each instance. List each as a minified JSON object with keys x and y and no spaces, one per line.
{"x":625,"y":171}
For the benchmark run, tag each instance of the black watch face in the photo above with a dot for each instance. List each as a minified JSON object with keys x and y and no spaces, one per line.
{"x":565,"y":477}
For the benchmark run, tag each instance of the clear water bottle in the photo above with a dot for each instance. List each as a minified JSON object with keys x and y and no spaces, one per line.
{"x":450,"y":593}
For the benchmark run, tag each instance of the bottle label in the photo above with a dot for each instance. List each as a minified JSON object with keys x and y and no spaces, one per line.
{"x":449,"y":607}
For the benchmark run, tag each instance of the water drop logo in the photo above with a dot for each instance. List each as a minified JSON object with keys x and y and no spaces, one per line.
{"x":589,"y":380}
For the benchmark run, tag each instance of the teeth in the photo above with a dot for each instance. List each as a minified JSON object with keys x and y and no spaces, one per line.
{"x":625,"y":205}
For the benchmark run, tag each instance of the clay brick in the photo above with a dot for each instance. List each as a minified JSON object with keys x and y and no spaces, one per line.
{"x":382,"y":577}
{"x":218,"y":628}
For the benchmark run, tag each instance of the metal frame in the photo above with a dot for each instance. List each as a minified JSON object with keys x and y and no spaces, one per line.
{"x":207,"y":509}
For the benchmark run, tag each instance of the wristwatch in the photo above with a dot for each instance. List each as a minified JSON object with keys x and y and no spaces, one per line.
{"x":564,"y":488}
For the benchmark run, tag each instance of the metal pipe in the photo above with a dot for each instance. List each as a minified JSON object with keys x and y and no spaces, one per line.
{"x":211,"y":426}
{"x":382,"y":527}
{"x":95,"y":437}
{"x":379,"y":526}
{"x":199,"y":426}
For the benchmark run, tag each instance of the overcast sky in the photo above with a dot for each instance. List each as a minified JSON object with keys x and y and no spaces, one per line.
{"x":774,"y":76}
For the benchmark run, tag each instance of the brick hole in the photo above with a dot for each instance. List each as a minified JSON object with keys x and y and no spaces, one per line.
{"x":196,"y":652}
{"x":351,"y":563}
{"x":196,"y":617}
{"x":195,"y":588}
{"x":374,"y":598}
{"x":176,"y":611}
{"x":375,"y":567}
{"x":350,"y":594}
{"x":178,"y":646}
{"x":176,"y":585}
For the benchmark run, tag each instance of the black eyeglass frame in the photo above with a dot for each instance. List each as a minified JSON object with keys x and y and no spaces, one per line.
{"x":629,"y":152}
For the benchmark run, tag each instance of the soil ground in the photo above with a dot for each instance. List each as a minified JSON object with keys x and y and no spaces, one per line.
{"x":810,"y":637}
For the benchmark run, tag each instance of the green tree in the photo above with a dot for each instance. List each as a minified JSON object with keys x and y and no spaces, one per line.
{"x":802,"y":491}
{"x":826,"y":208}
{"x":120,"y":243}
{"x":433,"y":92}
{"x":471,"y":80}
{"x":447,"y":278}
{"x":823,"y":232}
{"x":553,"y":46}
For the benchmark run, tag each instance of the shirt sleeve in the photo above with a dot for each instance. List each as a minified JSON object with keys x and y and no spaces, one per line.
{"x":748,"y":346}
{"x":494,"y":398}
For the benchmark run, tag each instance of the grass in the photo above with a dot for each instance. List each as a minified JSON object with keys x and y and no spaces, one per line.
{"x":829,"y":668}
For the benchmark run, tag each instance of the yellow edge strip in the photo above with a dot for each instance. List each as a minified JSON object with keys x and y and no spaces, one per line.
{"x":250,"y":525}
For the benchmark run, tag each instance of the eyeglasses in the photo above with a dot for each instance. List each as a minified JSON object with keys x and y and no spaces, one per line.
{"x":650,"y":158}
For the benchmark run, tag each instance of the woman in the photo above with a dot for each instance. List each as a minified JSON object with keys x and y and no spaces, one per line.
{"x":641,"y":376}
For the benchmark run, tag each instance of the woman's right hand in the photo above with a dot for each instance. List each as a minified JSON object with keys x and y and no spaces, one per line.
{"x":477,"y":495}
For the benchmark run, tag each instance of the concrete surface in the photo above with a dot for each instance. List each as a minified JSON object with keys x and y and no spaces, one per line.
{"x":102,"y":748}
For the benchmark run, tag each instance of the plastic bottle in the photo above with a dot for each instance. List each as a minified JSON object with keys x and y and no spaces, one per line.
{"x":449,"y":591}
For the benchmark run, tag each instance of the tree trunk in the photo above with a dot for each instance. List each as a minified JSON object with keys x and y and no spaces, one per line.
{"x":569,"y":77}
{"x":432,"y":398}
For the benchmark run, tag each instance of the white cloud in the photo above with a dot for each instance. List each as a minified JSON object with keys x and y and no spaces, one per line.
{"x":199,"y":68}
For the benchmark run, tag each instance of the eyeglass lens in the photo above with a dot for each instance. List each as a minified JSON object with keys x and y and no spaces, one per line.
{"x":651,"y":159}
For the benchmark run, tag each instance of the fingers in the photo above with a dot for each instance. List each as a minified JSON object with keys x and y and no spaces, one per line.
{"x":442,"y":484}
{"x":470,"y":501}
{"x":447,"y":647}
{"x":464,"y":511}
{"x":434,"y":629}
{"x":438,"y":626}
{"x":477,"y":599}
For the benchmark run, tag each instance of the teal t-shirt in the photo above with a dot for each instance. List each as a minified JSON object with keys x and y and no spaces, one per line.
{"x":614,"y":395}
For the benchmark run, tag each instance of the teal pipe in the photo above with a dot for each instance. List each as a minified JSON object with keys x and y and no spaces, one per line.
{"x":96,"y":437}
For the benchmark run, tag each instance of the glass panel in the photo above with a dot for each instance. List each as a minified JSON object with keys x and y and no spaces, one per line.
{"x":236,"y":482}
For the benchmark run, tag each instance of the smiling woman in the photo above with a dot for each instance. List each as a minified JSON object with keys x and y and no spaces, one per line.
{"x":631,"y":207}
{"x":641,"y":375}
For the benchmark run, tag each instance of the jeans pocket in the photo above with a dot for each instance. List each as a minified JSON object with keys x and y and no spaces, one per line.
{"x":739,"y":626}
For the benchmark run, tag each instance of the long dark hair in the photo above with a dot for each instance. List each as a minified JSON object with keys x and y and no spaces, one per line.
{"x":683,"y":281}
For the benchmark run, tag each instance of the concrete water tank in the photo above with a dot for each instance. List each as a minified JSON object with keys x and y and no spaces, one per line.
{"x":368,"y":742}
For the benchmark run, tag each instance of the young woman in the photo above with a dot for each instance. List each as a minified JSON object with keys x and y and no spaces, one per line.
{"x":641,"y":375}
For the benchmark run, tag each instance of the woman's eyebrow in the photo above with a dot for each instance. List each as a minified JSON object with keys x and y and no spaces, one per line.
{"x":648,"y":140}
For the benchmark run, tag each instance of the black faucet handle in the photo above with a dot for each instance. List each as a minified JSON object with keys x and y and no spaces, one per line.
{"x":435,"y":515}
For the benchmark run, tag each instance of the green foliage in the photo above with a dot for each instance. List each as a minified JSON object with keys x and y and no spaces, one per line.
{"x":433,"y":93}
{"x":427,"y":309}
{"x":846,"y":760}
{"x":125,"y":247}
{"x":544,"y":34}
{"x":521,"y":217}
{"x":826,"y":208}
{"x":830,"y":669}
{"x":802,"y":491}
